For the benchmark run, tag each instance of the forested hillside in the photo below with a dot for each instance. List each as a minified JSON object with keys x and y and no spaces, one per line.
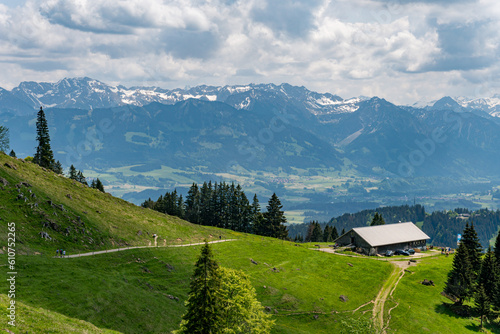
{"x":441,"y":226}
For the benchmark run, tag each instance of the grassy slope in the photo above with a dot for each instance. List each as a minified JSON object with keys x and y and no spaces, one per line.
{"x":104,"y":222}
{"x":128,"y":291}
{"x":38,"y":320}
{"x":422,"y":309}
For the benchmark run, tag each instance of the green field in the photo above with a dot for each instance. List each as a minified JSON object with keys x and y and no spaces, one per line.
{"x":143,"y":290}
{"x":128,"y":291}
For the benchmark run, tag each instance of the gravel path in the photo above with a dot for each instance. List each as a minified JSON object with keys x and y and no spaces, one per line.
{"x":136,"y":247}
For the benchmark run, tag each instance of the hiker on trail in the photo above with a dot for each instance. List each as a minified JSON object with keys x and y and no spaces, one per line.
{"x":64,"y":253}
{"x":220,"y":237}
{"x":57,"y":252}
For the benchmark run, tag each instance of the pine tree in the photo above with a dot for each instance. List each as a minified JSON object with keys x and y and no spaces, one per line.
{"x":497,"y":252}
{"x":460,"y":281}
{"x":474,"y":248}
{"x":58,"y":169}
{"x":4,"y":139}
{"x":257,"y":217}
{"x":73,"y":173}
{"x":335,"y":234}
{"x":12,"y":154}
{"x":482,"y":303}
{"x":377,"y":220}
{"x":193,"y":204}
{"x":343,"y":232}
{"x":488,"y":274}
{"x":317,"y":234}
{"x":80,"y":178}
{"x":275,"y":218}
{"x":203,"y":315}
{"x":99,"y":186}
{"x":43,"y":156}
{"x":327,"y":234}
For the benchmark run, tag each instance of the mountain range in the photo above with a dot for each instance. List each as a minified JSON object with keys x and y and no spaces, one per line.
{"x":255,"y":127}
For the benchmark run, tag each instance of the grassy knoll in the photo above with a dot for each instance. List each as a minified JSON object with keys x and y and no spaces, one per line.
{"x":77,"y":217}
{"x":129,"y":291}
{"x":422,"y":309}
{"x":39,"y":320}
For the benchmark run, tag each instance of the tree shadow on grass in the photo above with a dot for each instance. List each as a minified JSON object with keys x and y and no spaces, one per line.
{"x":453,"y":310}
{"x":487,"y":327}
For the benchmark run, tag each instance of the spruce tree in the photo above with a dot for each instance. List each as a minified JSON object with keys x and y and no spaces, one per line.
{"x":43,"y":156}
{"x":497,"y":252}
{"x":203,"y":315}
{"x":80,"y":178}
{"x":99,"y":186}
{"x":12,"y":154}
{"x":327,"y":234}
{"x":73,"y":173}
{"x":257,"y":217}
{"x":193,"y":204}
{"x":482,"y":303}
{"x":58,"y":169}
{"x":335,"y":234}
{"x":474,"y":248}
{"x":377,"y":220}
{"x":275,"y":218}
{"x":488,"y":273}
{"x":460,"y":281}
{"x":317,"y":234}
{"x":4,"y":139}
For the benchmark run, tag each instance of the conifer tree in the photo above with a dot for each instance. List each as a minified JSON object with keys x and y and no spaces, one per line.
{"x":4,"y":139}
{"x":335,"y":234}
{"x":43,"y":156}
{"x":80,"y":178}
{"x":482,"y":304}
{"x":73,"y":173}
{"x":275,"y":219}
{"x":497,"y":252}
{"x":180,"y":207}
{"x":203,"y":315}
{"x":257,"y":217}
{"x":327,"y":234}
{"x":377,"y":220}
{"x":193,"y":204}
{"x":343,"y":232}
{"x":474,"y":248}
{"x":460,"y":281}
{"x":99,"y":186}
{"x":488,"y":274}
{"x":58,"y":169}
{"x":12,"y":154}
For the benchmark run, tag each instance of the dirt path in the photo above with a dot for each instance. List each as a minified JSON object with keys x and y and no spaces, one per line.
{"x":386,"y":292}
{"x":135,"y":247}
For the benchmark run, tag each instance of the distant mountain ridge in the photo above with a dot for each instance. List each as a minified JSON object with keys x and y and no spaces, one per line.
{"x":87,"y":93}
{"x":256,"y":129}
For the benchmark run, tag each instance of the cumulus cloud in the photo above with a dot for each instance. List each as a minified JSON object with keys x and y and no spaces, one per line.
{"x":400,"y":50}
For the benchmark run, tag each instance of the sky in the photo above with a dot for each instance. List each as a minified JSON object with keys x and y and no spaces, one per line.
{"x":401,"y":50}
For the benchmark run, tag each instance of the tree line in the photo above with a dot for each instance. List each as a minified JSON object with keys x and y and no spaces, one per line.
{"x":441,"y":226}
{"x":474,"y":276}
{"x":226,"y":206}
